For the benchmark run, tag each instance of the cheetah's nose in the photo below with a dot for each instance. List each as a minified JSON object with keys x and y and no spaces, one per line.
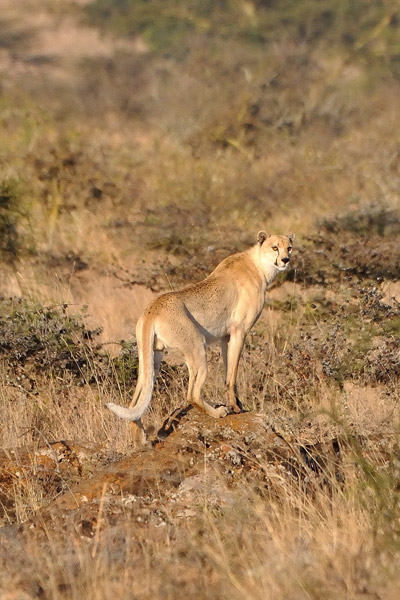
{"x":285,"y":260}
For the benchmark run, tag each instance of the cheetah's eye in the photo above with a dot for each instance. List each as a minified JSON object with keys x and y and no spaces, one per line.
{"x":275,"y":248}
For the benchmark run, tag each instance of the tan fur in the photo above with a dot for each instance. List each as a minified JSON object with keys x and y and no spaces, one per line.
{"x":222,"y":307}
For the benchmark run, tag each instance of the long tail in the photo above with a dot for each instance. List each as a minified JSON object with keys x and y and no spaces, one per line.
{"x":145,"y":383}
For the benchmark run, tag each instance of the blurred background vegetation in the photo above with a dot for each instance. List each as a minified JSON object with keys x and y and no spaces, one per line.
{"x":363,"y":29}
{"x":145,"y":140}
{"x":142,"y":141}
{"x":192,"y":123}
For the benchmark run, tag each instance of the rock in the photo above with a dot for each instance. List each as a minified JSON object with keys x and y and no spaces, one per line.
{"x":199,"y":463}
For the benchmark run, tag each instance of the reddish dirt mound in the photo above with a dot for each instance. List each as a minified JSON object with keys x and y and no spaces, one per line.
{"x":194,"y":461}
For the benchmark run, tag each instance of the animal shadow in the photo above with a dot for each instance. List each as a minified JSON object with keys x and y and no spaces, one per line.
{"x":171,"y":422}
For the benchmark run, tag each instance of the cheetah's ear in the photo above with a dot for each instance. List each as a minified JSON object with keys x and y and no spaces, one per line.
{"x":261,"y":237}
{"x":291,"y":237}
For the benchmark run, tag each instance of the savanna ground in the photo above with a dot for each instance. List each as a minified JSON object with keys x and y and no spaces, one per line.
{"x":140,"y":143}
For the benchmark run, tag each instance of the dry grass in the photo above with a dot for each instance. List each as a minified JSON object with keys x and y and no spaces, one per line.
{"x":286,"y":544}
{"x":296,"y":538}
{"x":124,"y":173}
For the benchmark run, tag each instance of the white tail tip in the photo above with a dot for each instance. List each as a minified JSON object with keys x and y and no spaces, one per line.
{"x":128,"y":414}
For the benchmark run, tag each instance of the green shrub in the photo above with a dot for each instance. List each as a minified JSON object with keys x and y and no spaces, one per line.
{"x":375,"y":218}
{"x":37,"y":339}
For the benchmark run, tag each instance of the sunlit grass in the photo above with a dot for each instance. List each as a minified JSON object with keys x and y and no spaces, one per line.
{"x":129,"y":173}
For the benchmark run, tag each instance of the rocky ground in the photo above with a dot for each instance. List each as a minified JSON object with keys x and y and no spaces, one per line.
{"x":195,"y":462}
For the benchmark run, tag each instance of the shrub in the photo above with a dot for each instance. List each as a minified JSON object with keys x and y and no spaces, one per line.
{"x":11,"y":214}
